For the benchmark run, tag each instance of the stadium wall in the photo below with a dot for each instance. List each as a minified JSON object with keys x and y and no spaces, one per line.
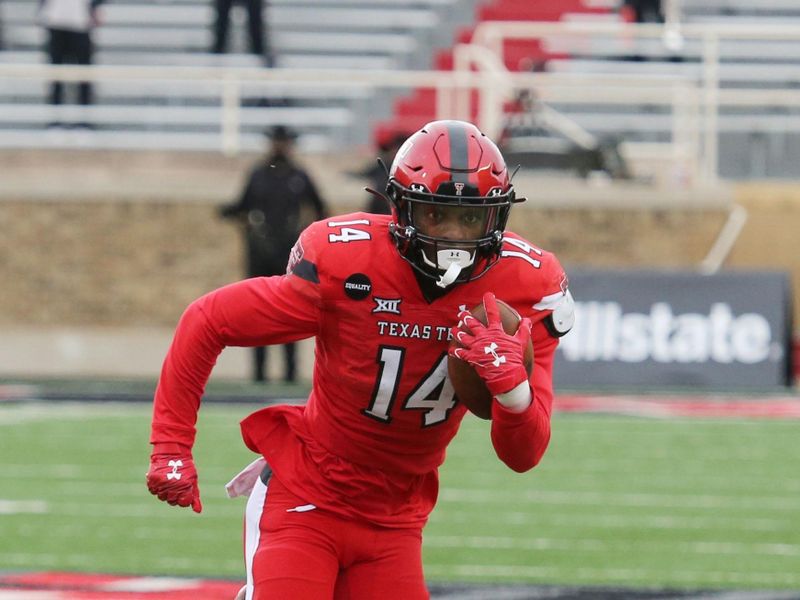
{"x":127,"y":240}
{"x":126,"y":262}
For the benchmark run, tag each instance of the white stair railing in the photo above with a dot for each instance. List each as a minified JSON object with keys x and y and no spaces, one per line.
{"x":491,"y":35}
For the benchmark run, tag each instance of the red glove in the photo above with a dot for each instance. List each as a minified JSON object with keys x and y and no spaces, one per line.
{"x":172,"y":476}
{"x":496,"y":356}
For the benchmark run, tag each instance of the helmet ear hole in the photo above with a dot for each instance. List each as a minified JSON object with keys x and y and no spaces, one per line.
{"x":395,"y":195}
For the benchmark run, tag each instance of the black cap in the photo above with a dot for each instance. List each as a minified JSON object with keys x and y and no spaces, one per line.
{"x":280,"y":133}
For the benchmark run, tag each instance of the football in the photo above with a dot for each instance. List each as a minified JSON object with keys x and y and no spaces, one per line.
{"x":467,"y":384}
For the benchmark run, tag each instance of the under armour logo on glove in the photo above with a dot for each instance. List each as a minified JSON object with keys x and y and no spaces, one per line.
{"x":165,"y":480}
{"x":174,"y":464}
{"x":492,"y":349}
{"x":496,"y":356}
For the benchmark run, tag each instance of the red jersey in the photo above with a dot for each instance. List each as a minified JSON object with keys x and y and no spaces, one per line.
{"x":370,"y":439}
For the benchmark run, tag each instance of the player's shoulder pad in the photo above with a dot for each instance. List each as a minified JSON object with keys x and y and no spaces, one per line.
{"x":327,"y":244}
{"x":556,"y":299}
{"x":562,"y":316}
{"x":304,"y":255}
{"x":518,"y":252}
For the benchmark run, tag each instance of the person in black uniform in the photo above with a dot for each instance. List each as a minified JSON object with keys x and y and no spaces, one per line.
{"x":279,"y":200}
{"x":645,"y":11}
{"x":69,"y":25}
{"x":257,"y":33}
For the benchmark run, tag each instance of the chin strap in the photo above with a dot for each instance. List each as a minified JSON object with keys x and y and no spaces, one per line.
{"x":449,"y":276}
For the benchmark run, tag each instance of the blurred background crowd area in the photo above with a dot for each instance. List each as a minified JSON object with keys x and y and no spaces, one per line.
{"x":650,"y":135}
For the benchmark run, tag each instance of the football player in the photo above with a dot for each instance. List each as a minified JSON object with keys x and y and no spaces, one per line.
{"x":345,"y":483}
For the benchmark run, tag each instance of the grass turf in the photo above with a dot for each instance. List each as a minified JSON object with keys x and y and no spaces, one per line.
{"x":617,"y":501}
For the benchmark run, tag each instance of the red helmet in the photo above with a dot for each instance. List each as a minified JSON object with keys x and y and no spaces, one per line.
{"x":450,"y":164}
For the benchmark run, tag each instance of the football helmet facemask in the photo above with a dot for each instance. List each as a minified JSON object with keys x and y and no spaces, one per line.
{"x":449,"y":172}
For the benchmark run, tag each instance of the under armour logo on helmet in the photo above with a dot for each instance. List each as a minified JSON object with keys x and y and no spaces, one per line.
{"x":492,"y":349}
{"x":496,"y":191}
{"x":418,"y":187}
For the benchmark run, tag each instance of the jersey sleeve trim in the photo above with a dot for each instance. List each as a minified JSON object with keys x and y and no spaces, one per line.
{"x":306,"y":270}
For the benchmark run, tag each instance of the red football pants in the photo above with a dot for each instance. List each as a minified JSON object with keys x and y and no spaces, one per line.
{"x":298,"y":552}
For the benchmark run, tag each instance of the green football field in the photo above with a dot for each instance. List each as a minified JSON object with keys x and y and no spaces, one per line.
{"x":617,"y":501}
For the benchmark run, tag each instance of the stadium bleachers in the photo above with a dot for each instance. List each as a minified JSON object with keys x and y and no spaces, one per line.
{"x":749,"y":133}
{"x":305,"y":34}
{"x":775,"y":8}
{"x":417,"y":108}
{"x":758,"y":140}
{"x":388,"y":35}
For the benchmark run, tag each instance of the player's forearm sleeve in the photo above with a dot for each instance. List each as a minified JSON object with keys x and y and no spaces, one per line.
{"x":186,"y":369}
{"x":254,"y":312}
{"x":521,"y":439}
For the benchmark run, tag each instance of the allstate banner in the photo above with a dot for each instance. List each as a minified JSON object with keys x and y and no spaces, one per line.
{"x":665,"y":329}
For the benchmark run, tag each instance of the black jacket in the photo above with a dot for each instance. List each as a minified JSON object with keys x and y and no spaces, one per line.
{"x":275,"y":207}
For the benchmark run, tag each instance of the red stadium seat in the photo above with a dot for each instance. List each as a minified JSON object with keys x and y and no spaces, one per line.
{"x":419,"y":107}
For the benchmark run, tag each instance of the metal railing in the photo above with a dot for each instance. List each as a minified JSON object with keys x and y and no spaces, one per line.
{"x":693,"y":103}
{"x":228,"y":83}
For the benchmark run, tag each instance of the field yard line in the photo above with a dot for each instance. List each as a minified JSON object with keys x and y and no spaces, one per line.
{"x":625,"y":521}
{"x":701,"y":455}
{"x":604,"y":545}
{"x":89,"y":562}
{"x":146,"y":530}
{"x":608,"y":575}
{"x":31,"y":414}
{"x":709,"y":501}
{"x":472,"y":496}
{"x":148,"y":508}
{"x":74,"y":472}
{"x":41,"y":559}
{"x":73,"y":411}
{"x":145,"y":508}
{"x":28,"y":471}
{"x":666,"y":458}
{"x":90,"y":487}
{"x":15,"y":507}
{"x":594,"y":480}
